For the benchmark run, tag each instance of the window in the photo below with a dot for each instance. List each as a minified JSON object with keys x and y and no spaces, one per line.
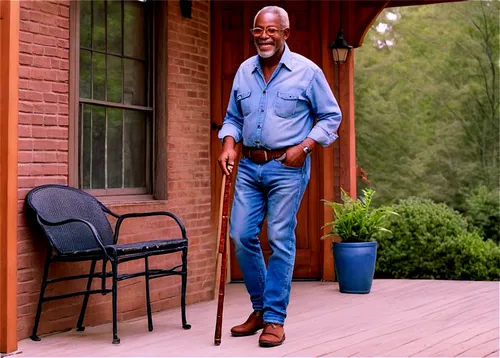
{"x":115,"y":97}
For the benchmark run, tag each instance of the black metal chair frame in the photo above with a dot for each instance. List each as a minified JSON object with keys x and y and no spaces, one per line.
{"x":114,"y":253}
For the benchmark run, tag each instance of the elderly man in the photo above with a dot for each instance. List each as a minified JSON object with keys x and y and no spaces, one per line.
{"x":275,"y":99}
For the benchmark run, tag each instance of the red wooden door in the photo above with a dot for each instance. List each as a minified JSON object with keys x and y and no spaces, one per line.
{"x":232,"y":43}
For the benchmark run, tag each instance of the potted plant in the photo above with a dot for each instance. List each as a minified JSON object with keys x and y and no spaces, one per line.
{"x":355,"y":223}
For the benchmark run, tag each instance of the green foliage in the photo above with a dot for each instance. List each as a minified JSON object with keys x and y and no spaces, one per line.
{"x":355,"y":220}
{"x":427,"y":104}
{"x":482,"y":211}
{"x":431,"y":241}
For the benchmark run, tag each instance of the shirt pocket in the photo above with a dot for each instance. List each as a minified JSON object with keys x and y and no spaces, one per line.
{"x":244,"y":102}
{"x":285,"y":104}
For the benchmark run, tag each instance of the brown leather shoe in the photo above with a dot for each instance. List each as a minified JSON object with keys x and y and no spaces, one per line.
{"x":273,"y":335}
{"x":251,"y":325}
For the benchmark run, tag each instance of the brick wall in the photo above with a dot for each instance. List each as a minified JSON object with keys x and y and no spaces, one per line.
{"x":43,"y":158}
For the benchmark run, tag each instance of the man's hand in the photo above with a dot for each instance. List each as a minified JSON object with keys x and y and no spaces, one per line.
{"x":228,"y":155}
{"x":295,"y":156}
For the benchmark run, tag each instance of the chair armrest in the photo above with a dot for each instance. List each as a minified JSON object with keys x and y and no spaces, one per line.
{"x":121,"y":218}
{"x":95,"y":234}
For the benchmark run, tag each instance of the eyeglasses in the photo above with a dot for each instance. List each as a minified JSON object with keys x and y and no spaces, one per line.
{"x":270,"y":31}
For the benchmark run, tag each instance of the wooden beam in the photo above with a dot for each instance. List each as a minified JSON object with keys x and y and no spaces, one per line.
{"x":398,"y":3}
{"x":366,"y":14}
{"x":9,"y":88}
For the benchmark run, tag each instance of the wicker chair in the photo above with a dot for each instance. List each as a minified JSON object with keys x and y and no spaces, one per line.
{"x":77,"y":229}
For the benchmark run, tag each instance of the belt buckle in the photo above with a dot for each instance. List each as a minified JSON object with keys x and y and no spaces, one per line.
{"x":265,"y":156}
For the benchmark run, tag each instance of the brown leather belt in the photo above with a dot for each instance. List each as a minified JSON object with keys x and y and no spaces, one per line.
{"x":261,"y":156}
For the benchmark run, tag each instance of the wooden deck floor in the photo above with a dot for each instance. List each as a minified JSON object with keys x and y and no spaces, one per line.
{"x":398,"y":318}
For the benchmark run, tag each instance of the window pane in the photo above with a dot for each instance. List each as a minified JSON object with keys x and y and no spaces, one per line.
{"x":99,"y":20}
{"x":135,"y":149}
{"x":114,"y":150}
{"x":85,"y":142}
{"x":85,"y":70}
{"x":134,"y":90}
{"x":98,"y":147}
{"x":115,"y":26}
{"x":134,"y":27}
{"x":99,"y":76}
{"x":85,"y":23}
{"x":114,"y":79}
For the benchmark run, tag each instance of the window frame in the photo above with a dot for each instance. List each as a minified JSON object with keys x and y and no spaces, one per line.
{"x":75,"y":101}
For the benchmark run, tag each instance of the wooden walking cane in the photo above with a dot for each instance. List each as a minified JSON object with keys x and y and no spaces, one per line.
{"x":222,"y":256}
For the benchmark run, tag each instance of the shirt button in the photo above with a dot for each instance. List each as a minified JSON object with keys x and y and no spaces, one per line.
{"x":264,"y":91}
{"x":259,"y":126}
{"x":262,"y":110}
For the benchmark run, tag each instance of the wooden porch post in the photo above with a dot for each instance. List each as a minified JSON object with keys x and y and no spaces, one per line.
{"x":9,"y":63}
{"x":347,"y":141}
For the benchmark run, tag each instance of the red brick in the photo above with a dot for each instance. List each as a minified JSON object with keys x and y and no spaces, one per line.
{"x":25,"y":157}
{"x":63,"y":121}
{"x":56,"y":132}
{"x":23,"y":84}
{"x":60,"y":87}
{"x":63,"y":98}
{"x":23,"y":169}
{"x":50,"y":120}
{"x":50,"y":97}
{"x":29,"y":26}
{"x":24,"y":14}
{"x":63,"y":109}
{"x":64,"y":11}
{"x":25,"y":37}
{"x":49,"y":8}
{"x":44,"y":40}
{"x":63,"y":53}
{"x":35,"y":16}
{"x":30,"y":96}
{"x":26,"y":107}
{"x":25,"y":48}
{"x":50,"y":51}
{"x":64,"y":23}
{"x":43,"y":62}
{"x":40,"y":86}
{"x":24,"y":131}
{"x":38,"y":50}
{"x":39,"y":132}
{"x":62,"y":76}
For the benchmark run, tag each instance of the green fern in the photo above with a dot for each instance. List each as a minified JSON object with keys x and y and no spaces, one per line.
{"x":355,"y":220}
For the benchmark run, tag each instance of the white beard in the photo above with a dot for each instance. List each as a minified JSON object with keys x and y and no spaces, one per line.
{"x":266,"y":54}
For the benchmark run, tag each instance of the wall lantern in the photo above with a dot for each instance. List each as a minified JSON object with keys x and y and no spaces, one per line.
{"x":340,"y":48}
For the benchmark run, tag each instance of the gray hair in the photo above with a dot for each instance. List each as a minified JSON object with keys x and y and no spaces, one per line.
{"x":282,"y":14}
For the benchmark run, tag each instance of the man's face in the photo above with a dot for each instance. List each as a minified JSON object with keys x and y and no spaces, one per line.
{"x":272,"y":39}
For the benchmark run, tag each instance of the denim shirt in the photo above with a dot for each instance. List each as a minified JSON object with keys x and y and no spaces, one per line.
{"x":281,"y":113}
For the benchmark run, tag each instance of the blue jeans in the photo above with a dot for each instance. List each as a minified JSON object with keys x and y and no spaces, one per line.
{"x":275,"y":190}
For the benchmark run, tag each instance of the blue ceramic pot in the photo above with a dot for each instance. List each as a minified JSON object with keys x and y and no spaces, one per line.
{"x":355,"y":265}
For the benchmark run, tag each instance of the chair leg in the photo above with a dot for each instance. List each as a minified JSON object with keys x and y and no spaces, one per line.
{"x":114,"y":291}
{"x":148,"y":298}
{"x":185,"y":325}
{"x":48,"y":260}
{"x":103,"y":282}
{"x":79,"y":325}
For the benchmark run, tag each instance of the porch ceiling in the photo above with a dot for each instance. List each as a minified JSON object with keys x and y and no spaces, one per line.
{"x":396,"y":3}
{"x":398,"y":318}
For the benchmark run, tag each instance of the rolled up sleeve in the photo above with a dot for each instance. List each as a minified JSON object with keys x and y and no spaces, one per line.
{"x":233,"y":121}
{"x":326,"y":110}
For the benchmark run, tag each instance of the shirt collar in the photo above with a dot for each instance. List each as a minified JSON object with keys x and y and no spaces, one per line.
{"x":286,"y":59}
